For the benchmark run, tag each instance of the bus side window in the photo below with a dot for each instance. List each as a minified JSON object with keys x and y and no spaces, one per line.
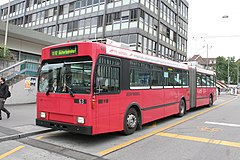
{"x":107,"y":78}
{"x":100,"y":83}
{"x":185,"y":78}
{"x":199,"y":80}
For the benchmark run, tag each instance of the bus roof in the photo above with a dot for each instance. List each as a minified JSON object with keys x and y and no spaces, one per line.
{"x":205,"y":71}
{"x":62,"y":44}
{"x":125,"y":53}
{"x":111,"y":50}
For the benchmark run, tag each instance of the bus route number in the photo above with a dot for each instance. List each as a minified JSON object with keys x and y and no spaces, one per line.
{"x":80,"y":101}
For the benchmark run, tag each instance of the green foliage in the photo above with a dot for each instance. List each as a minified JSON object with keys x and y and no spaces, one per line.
{"x":222,"y":69}
{"x":7,"y":55}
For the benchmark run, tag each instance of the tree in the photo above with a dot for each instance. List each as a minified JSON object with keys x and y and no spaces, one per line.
{"x":222,"y":69}
{"x":238,"y":71}
{"x":7,"y":55}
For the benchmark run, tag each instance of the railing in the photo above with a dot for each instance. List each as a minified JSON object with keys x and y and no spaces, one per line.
{"x":6,"y":63}
{"x":19,"y":71}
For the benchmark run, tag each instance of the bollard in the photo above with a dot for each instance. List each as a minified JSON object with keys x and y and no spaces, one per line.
{"x":235,"y":93}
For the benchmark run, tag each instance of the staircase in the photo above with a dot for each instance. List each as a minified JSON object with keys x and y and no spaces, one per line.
{"x":19,"y":71}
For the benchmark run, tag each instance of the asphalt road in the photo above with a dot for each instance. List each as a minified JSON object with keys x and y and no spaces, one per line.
{"x":202,"y":134}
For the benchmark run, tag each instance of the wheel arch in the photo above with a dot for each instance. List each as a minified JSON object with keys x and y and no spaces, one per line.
{"x":136,"y":106}
{"x":180,"y":113}
{"x":210,"y":99}
{"x":185,"y":101}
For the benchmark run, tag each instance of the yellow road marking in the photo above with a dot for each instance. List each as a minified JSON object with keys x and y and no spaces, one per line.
{"x":11,"y":152}
{"x":198,"y":139}
{"x":124,"y":144}
{"x":209,"y":129}
{"x":39,"y":137}
{"x":152,"y":125}
{"x":48,"y":135}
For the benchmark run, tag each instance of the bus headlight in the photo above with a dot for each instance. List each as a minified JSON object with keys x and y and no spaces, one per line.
{"x":80,"y":120}
{"x":43,"y":115}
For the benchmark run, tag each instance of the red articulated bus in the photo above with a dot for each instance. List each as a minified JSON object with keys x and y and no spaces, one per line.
{"x":92,"y":88}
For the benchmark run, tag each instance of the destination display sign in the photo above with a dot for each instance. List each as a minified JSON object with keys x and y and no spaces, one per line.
{"x":64,"y":51}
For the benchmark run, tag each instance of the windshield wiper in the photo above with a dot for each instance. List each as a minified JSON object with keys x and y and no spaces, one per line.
{"x":70,"y":91}
{"x":47,"y":93}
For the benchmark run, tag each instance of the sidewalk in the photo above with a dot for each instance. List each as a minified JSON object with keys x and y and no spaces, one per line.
{"x":228,"y":93}
{"x":21,"y":122}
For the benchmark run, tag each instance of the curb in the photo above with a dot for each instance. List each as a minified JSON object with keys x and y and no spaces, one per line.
{"x":18,"y":104}
{"x":23,"y":135}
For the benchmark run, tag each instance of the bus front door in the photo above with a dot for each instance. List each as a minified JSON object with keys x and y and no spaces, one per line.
{"x":102,"y":111}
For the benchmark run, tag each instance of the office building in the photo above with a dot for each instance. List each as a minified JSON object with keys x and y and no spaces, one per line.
{"x":154,"y":27}
{"x":24,"y":44}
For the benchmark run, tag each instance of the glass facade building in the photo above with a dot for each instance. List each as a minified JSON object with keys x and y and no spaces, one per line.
{"x":155,"y":27}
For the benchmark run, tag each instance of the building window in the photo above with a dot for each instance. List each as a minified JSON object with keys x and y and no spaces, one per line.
{"x":66,"y":9}
{"x":168,"y":33}
{"x":95,"y":1}
{"x":70,"y":27}
{"x":93,"y":25}
{"x":83,"y":3}
{"x":81,"y":27}
{"x":133,"y":15}
{"x":71,"y":7}
{"x":89,"y":2}
{"x":109,"y":19}
{"x":116,"y":17}
{"x":61,"y":10}
{"x":77,"y":5}
{"x":100,"y":21}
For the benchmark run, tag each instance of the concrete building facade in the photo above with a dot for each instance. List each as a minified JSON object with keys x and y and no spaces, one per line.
{"x":24,"y":44}
{"x":155,"y":27}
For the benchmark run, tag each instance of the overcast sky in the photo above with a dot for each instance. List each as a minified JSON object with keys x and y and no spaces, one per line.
{"x":221,"y":34}
{"x":206,"y":26}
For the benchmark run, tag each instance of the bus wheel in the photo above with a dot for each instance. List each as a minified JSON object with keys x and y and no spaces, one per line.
{"x":182,"y":108}
{"x":210,"y":101}
{"x":130,"y":121}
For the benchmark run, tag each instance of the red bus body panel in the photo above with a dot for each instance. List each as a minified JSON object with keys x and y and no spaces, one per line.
{"x":203,"y":95}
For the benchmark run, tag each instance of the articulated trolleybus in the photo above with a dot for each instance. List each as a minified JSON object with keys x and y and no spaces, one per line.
{"x":92,"y":88}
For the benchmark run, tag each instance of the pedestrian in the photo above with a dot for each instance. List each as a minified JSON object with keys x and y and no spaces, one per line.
{"x":219,"y":90}
{"x":3,"y":97}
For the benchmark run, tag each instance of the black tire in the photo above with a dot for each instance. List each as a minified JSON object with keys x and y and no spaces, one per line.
{"x":130,"y":121}
{"x":182,"y":108}
{"x":210,"y":101}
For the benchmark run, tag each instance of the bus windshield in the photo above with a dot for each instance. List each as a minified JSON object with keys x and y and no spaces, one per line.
{"x":65,"y":77}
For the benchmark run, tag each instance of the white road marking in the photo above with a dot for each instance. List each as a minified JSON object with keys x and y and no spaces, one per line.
{"x":223,"y":124}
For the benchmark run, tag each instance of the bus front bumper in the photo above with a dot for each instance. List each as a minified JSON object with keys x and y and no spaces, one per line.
{"x":87,"y":130}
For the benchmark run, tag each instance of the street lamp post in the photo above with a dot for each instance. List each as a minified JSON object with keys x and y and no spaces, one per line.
{"x":226,"y":17}
{"x":228,"y":73}
{"x":207,"y":51}
{"x":6,"y":31}
{"x":207,"y":56}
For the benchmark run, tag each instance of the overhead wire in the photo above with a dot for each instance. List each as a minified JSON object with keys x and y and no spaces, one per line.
{"x":227,"y":36}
